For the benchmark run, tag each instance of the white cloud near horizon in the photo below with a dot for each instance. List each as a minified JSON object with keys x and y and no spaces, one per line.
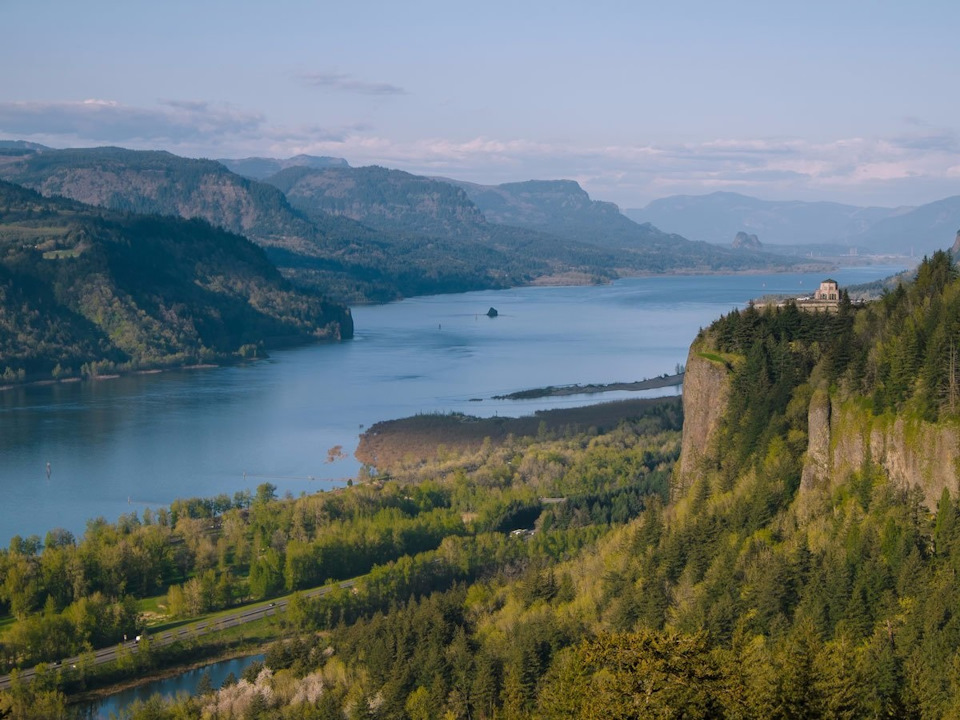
{"x":109,"y":121}
{"x":186,"y":126}
{"x":918,"y":166}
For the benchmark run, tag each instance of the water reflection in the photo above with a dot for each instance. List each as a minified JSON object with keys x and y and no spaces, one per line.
{"x":120,"y":445}
{"x":186,"y":682}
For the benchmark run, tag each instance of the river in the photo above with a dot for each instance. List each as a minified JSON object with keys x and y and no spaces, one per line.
{"x":121,"y":445}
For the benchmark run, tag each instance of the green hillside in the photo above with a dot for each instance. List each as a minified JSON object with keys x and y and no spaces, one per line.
{"x":84,"y":291}
{"x":329,"y":252}
{"x":373,"y":234}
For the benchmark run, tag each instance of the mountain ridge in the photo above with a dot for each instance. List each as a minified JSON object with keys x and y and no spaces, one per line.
{"x":716,"y":217}
{"x":85,"y":291}
{"x":401,"y":235}
{"x":260,"y":168}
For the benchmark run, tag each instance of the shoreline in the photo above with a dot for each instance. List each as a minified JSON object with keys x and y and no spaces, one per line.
{"x":101,"y":693}
{"x":418,"y":438}
{"x":112,"y":376}
{"x":576,"y":279}
{"x":594,"y":388}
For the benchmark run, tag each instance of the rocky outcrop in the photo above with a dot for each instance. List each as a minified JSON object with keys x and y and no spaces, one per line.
{"x":844,"y":436}
{"x":745,"y":241}
{"x":706,"y":389}
{"x":817,"y":463}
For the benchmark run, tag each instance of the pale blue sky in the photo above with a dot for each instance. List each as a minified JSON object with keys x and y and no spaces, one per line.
{"x":854,"y":102}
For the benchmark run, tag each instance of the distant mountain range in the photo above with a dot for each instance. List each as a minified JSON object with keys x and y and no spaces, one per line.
{"x":361,"y":234}
{"x":87,"y":290}
{"x":564,"y":209}
{"x":919,"y":231}
{"x":717,"y":217}
{"x":20,"y":147}
{"x":259,"y":168}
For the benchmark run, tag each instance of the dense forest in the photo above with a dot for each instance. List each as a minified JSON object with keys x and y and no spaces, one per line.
{"x":747,"y":595}
{"x":86,"y":292}
{"x":402,"y":537}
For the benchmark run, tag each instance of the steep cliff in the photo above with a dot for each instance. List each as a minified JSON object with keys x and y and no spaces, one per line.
{"x":706,"y":391}
{"x":844,"y":437}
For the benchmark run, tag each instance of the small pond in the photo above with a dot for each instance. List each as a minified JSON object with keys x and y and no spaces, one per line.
{"x":185,"y":682}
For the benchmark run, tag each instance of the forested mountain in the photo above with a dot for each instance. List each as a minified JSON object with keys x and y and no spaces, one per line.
{"x":165,"y":184}
{"x":259,"y":168}
{"x":415,"y":235}
{"x":389,"y":200}
{"x":719,"y":216}
{"x":327,"y":253}
{"x":804,"y":566}
{"x":88,"y":291}
{"x":563,"y":208}
{"x":16,"y":146}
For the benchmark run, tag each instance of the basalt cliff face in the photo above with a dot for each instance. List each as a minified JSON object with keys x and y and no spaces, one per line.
{"x":844,"y":437}
{"x":706,"y":390}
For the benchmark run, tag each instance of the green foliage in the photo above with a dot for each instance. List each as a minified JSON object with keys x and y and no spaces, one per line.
{"x":412,"y":539}
{"x":137,"y":292}
{"x":745,"y":597}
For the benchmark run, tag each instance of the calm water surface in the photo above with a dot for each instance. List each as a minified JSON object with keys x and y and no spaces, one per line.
{"x":116,"y":446}
{"x":186,"y":682}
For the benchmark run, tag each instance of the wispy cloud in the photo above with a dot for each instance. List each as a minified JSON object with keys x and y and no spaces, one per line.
{"x":917,"y":165}
{"x":101,"y":120}
{"x":349,"y":83}
{"x":193,"y":127}
{"x":891,"y":171}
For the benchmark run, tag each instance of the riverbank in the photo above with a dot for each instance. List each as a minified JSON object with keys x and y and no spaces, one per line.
{"x":114,"y":376}
{"x":420,"y":438}
{"x":89,"y":697}
{"x":593,"y":388}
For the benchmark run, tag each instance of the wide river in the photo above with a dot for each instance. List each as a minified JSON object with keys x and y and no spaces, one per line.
{"x":117,"y":446}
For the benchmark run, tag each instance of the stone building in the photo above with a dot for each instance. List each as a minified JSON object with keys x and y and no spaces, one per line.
{"x":828,"y":291}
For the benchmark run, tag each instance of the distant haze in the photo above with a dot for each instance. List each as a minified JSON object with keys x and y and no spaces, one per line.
{"x":718,"y":217}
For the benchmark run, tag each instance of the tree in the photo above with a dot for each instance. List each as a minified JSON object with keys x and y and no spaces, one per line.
{"x":34,"y":700}
{"x":638,"y":675}
{"x":266,"y":492}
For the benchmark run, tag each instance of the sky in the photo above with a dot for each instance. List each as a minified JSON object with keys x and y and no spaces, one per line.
{"x":847,"y":101}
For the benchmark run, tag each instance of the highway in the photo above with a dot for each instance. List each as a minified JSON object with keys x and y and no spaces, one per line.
{"x":240,"y":616}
